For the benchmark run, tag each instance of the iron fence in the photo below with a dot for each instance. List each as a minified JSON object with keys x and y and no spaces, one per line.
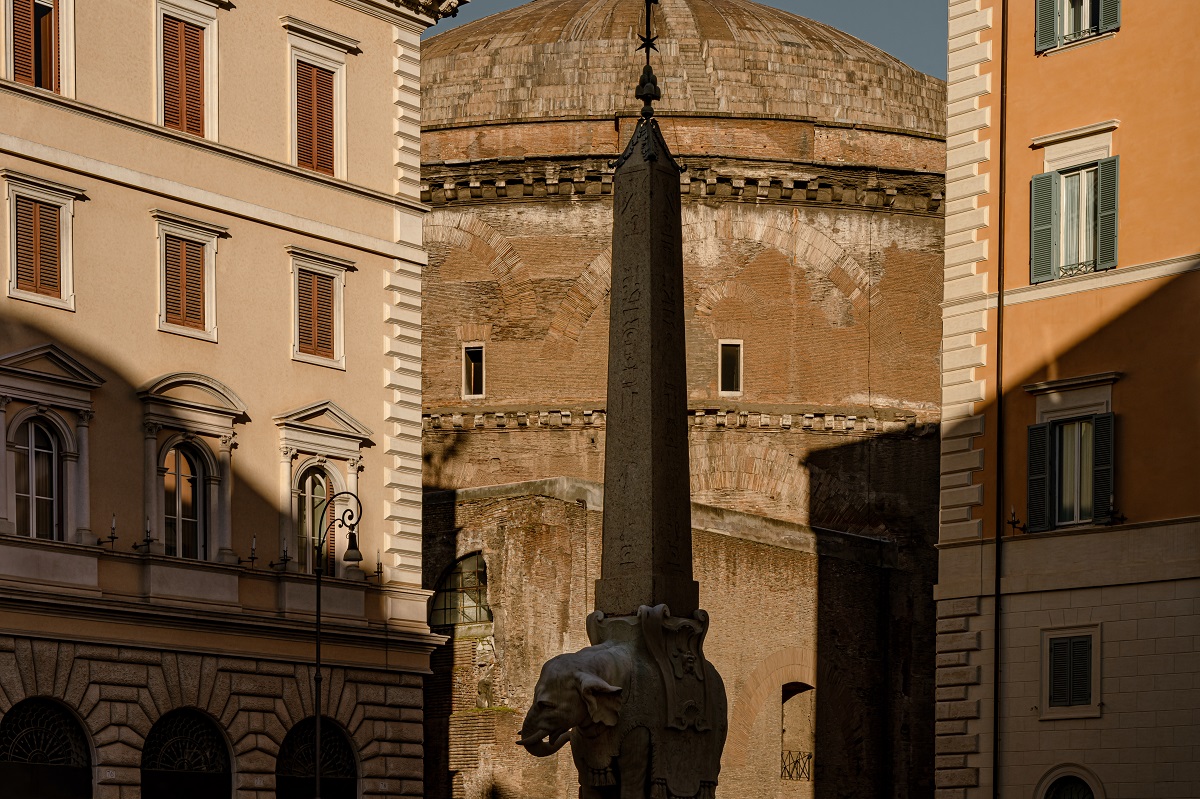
{"x":796,"y":765}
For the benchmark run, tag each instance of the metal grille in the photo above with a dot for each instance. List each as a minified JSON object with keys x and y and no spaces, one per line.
{"x":39,"y":731}
{"x":462,"y":596}
{"x":1071,"y":270}
{"x":185,"y":740}
{"x":296,"y":755}
{"x":796,"y":765}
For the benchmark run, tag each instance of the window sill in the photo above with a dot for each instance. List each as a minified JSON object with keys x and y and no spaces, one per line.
{"x":317,"y":360}
{"x":190,"y":332}
{"x":1075,"y":45}
{"x":1074,"y":712}
{"x":730,"y":394}
{"x":474,"y":396}
{"x":64,"y":303}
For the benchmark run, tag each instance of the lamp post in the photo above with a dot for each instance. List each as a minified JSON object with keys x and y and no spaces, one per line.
{"x":348,"y":518}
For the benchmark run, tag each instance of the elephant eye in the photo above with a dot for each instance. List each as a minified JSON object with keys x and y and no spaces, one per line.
{"x":544,"y":705}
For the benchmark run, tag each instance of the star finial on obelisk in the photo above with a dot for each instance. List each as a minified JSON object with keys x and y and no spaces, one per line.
{"x":647,"y":90}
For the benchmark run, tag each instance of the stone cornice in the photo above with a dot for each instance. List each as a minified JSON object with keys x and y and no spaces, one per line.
{"x":494,"y":180}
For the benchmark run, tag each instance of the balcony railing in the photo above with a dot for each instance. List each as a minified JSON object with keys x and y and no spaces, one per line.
{"x":796,"y":765}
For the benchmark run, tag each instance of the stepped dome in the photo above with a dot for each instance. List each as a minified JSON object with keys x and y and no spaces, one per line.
{"x":575,"y":59}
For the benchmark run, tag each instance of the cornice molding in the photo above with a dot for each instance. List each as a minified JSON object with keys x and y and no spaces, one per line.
{"x":1076,"y":133}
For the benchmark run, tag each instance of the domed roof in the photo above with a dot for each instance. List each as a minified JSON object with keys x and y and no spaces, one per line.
{"x":573,"y":59}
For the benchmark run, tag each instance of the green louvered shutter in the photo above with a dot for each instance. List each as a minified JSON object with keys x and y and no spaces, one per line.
{"x":1107,"y":178}
{"x":1110,"y":15}
{"x":1038,"y":507}
{"x":1081,"y":670}
{"x":1045,"y":35}
{"x":1060,"y":672}
{"x":1102,"y":468}
{"x":1043,"y":227}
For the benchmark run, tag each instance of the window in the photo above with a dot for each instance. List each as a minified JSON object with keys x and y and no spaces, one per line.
{"x":1061,"y":22}
{"x":39,"y":255}
{"x":187,"y":285}
{"x":797,"y":732}
{"x":184,"y":489}
{"x":461,"y":597}
{"x":187,"y":66}
{"x":472,"y":370}
{"x":1070,"y":787}
{"x":294,"y":770}
{"x":319,"y":285}
{"x":1071,"y":672}
{"x":318,"y":78}
{"x":1071,"y":472}
{"x":312,"y":517}
{"x":38,"y":477}
{"x":730,"y":367}
{"x":1073,"y":221}
{"x":35,"y":43}
{"x":43,"y":744}
{"x":185,"y":754}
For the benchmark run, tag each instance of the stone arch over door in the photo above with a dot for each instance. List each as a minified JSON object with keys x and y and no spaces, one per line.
{"x":1069,"y":781}
{"x":791,"y":665}
{"x":295,"y":776}
{"x":466,"y":231}
{"x":186,"y":756}
{"x":45,"y":752}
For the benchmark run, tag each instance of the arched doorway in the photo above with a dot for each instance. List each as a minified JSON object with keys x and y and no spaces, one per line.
{"x":1069,"y":787}
{"x":185,"y":757}
{"x":295,"y":776}
{"x":44,"y":752}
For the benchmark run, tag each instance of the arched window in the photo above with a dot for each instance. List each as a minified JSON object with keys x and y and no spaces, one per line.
{"x":38,"y":472}
{"x":312,"y":517}
{"x":462,"y":596}
{"x":185,"y":757}
{"x":796,"y":732}
{"x":185,"y":523}
{"x":44,"y":752}
{"x":295,"y":777}
{"x":1069,"y":787}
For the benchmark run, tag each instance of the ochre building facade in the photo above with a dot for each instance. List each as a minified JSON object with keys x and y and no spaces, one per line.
{"x":812,"y":221}
{"x":209,"y":323}
{"x":1069,"y":570}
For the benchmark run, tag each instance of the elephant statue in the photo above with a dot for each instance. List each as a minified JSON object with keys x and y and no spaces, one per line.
{"x":644,"y":713}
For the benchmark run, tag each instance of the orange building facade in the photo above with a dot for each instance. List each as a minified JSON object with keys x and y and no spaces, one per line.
{"x":1069,"y":327}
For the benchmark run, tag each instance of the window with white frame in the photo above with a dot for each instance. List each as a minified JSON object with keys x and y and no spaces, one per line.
{"x":729,"y":367}
{"x":185,"y":503}
{"x":39,"y":38}
{"x":187,"y":251}
{"x":1073,"y":220}
{"x":318,"y":287}
{"x":472,"y":369}
{"x":1062,"y":22}
{"x":38,"y":480}
{"x":317,"y":77}
{"x":40,"y":213}
{"x":187,"y":58}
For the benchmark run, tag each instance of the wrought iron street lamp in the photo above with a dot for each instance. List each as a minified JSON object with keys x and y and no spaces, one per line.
{"x":349,"y":519}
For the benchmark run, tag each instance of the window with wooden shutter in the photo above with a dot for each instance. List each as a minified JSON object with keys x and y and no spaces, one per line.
{"x":1070,"y":671}
{"x":1110,"y":15}
{"x":1043,"y":227}
{"x":1038,"y":479}
{"x":1107,"y":178}
{"x":183,"y":75}
{"x":39,"y":258}
{"x":1103,"y":425}
{"x":315,"y":294}
{"x":1045,"y":25}
{"x":314,"y":117}
{"x":35,"y":38}
{"x":184,"y":275}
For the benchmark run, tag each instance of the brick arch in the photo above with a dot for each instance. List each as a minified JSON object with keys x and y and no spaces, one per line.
{"x":467,"y":231}
{"x":793,"y":664}
{"x":582,"y":300}
{"x":715,"y":293}
{"x":759,"y":468}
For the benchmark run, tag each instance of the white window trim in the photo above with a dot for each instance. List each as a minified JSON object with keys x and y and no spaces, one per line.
{"x":1054,"y":404}
{"x":202,"y":233}
{"x":17,"y":184}
{"x":303,"y":48}
{"x":66,"y":44}
{"x":1093,"y":710}
{"x":1077,"y":151}
{"x":741,"y":367}
{"x":462,"y":357}
{"x":333,"y":267}
{"x":204,"y":14}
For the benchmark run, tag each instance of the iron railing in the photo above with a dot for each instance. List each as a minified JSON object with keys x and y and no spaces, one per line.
{"x":796,"y":765}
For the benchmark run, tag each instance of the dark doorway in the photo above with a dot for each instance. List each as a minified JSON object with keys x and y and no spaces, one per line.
{"x":295,"y":777}
{"x":186,"y":757}
{"x":44,"y":753}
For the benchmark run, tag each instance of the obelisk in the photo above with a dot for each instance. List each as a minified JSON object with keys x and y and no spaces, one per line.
{"x":647,"y":552}
{"x":643,"y":709}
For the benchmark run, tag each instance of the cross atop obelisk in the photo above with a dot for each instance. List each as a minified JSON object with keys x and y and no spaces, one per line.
{"x":647,"y":550}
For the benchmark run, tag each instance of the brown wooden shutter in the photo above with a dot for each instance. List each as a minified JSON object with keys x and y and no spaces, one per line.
{"x":185,"y":283}
{"x":39,"y":261}
{"x":51,"y":62}
{"x":23,"y":41}
{"x":314,"y":117}
{"x":183,"y":76}
{"x":315,"y":298}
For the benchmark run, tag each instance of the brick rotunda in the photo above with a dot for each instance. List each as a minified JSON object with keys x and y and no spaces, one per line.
{"x":813,"y":227}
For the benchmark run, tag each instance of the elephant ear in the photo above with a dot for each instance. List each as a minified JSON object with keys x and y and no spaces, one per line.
{"x":603,"y":700}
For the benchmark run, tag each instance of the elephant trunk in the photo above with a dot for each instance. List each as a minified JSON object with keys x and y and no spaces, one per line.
{"x":539,"y":744}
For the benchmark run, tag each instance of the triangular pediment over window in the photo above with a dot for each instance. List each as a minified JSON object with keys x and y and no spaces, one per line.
{"x":47,"y":372}
{"x":323,"y":428}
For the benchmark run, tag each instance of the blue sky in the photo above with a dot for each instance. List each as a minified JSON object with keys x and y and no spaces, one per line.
{"x":912,"y":30}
